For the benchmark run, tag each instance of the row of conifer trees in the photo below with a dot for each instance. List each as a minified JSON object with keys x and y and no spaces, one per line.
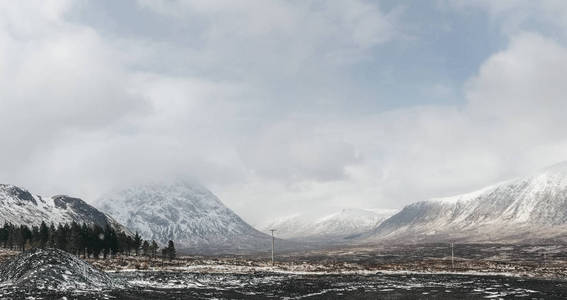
{"x":80,"y":239}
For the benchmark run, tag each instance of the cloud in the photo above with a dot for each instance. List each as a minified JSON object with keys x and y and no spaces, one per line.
{"x":515,"y":16}
{"x":55,"y":78}
{"x":254,"y":99}
{"x":295,"y":150}
{"x":511,"y":124}
{"x":250,"y":39}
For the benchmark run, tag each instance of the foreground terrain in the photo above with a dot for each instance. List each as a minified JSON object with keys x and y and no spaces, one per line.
{"x":385,"y":272}
{"x":189,"y":285}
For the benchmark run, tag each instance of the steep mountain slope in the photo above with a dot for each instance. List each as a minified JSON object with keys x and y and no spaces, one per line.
{"x":186,"y":213}
{"x":529,"y":208}
{"x":336,"y":227}
{"x":20,"y":207}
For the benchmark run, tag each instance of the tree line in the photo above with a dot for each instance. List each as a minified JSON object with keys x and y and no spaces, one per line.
{"x":81,"y":239}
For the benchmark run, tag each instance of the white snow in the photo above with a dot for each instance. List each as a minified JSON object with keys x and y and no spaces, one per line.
{"x":347,"y":222}
{"x":531,"y":207}
{"x":186,"y":213}
{"x":20,"y":207}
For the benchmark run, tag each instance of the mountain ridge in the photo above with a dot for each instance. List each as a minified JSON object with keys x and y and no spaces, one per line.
{"x":21,"y":207}
{"x":526,"y":208}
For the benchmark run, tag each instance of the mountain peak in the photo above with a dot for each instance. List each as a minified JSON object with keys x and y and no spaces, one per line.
{"x":185,"y":212}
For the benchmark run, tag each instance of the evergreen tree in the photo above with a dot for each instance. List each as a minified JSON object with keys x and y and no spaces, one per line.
{"x":170,"y":250}
{"x":154,"y":248}
{"x":43,"y":235}
{"x":97,"y":240}
{"x":137,"y":243}
{"x":4,"y":232}
{"x":146,"y":248}
{"x":84,"y":240}
{"x":79,"y":239}
{"x":26,"y":235}
{"x":61,"y":237}
{"x":74,"y":242}
{"x":51,"y":241}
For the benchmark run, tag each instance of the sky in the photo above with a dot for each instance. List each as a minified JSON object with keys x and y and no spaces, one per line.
{"x":281,"y":107}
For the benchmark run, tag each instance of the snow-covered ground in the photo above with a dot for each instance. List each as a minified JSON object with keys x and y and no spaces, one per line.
{"x":496,"y":271}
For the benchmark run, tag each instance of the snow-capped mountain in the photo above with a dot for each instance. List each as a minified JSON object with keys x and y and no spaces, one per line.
{"x":189,"y":214}
{"x":335,"y":227}
{"x":524,"y":209}
{"x":19,"y":207}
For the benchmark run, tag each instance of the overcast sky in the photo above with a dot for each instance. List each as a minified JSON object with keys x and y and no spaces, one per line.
{"x":281,"y":106}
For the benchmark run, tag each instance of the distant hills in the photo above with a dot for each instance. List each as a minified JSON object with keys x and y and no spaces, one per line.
{"x":340,"y":227}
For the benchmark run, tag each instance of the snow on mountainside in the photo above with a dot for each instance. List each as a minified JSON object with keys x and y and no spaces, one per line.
{"x":189,"y":214}
{"x":20,"y":207}
{"x":524,"y":209}
{"x":332,"y":228}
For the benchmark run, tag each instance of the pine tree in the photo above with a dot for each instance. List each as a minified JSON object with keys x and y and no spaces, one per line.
{"x":75,"y":241}
{"x":61,"y":237}
{"x":146,"y":248}
{"x":43,"y":235}
{"x":80,"y":239}
{"x":84,"y":240}
{"x":154,"y":246}
{"x":171,"y":253}
{"x":137,"y":242}
{"x":4,"y":232}
{"x":26,"y":235}
{"x":97,"y":240}
{"x":52,"y":233}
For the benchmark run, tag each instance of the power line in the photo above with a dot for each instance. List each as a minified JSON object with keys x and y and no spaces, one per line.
{"x":452,"y":257}
{"x":272,"y":230}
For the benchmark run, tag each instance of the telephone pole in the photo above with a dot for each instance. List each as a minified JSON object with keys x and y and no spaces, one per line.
{"x":452,"y":257}
{"x":272,"y":230}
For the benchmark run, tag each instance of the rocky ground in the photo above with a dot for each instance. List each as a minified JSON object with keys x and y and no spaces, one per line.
{"x":388,"y":272}
{"x":542,"y":261}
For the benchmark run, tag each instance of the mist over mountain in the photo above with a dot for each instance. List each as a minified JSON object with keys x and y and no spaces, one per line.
{"x":526,"y":209}
{"x":186,"y":213}
{"x":338,"y":227}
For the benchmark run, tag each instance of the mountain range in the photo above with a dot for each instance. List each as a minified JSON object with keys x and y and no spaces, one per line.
{"x":526,"y":209}
{"x":530,"y":208}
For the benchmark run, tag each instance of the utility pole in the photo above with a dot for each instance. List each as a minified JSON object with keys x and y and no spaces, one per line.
{"x":272,"y":230}
{"x":452,"y":257}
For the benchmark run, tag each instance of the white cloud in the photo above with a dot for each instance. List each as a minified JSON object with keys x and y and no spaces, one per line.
{"x":249,"y":107}
{"x":514,"y":16}
{"x":55,"y":78}
{"x":512,"y":124}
